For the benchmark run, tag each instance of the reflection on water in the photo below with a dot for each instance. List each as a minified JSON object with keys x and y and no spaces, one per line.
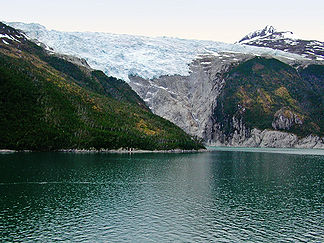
{"x":213,"y":196}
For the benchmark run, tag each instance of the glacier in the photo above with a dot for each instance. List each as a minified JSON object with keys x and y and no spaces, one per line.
{"x":122,"y":55}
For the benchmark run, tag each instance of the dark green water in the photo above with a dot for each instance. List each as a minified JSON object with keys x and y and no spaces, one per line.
{"x":225,"y":196}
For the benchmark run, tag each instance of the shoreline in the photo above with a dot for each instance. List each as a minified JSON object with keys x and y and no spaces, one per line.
{"x":130,"y":151}
{"x":108,"y":151}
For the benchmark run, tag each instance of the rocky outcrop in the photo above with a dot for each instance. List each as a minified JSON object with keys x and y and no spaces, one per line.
{"x":76,"y":60}
{"x":278,"y":139}
{"x":311,"y":141}
{"x":270,"y":139}
{"x":285,"y":119}
{"x":241,"y":136}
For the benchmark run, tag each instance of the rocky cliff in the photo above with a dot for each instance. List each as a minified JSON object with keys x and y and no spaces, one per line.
{"x":240,"y":100}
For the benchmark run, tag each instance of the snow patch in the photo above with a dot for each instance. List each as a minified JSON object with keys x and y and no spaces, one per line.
{"x":6,"y":36}
{"x":289,"y":35}
{"x":9,"y":37}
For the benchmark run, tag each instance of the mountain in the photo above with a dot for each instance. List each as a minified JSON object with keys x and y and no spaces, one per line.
{"x":268,"y":30}
{"x":52,"y":101}
{"x":285,"y":41}
{"x":226,"y":94}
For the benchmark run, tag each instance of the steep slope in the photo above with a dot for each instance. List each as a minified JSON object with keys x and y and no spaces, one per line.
{"x":49,"y":103}
{"x":188,"y":82}
{"x":285,"y":41}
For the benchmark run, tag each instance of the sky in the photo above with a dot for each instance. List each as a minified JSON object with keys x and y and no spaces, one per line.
{"x":227,"y":20}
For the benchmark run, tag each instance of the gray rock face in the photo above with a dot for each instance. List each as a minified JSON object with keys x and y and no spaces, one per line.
{"x":277,"y":139}
{"x":188,"y":101}
{"x":311,"y":142}
{"x":245,"y":137}
{"x":76,"y":60}
{"x":285,"y":119}
{"x":271,"y":139}
{"x":215,"y":135}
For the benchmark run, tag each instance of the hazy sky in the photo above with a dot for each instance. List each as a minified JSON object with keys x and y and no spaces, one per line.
{"x":227,"y":20}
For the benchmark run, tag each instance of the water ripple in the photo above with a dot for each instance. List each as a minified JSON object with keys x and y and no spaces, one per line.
{"x":162,"y":198}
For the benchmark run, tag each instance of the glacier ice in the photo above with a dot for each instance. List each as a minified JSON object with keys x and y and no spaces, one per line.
{"x":121,"y":55}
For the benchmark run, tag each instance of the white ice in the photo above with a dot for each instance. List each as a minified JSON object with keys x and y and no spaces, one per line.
{"x":148,"y":57}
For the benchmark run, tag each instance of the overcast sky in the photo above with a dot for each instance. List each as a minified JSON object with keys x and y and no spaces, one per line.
{"x":227,"y":20}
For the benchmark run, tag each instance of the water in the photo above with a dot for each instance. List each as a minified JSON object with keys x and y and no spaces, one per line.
{"x":224,"y":196}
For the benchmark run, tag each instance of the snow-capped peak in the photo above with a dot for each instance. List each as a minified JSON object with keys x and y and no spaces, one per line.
{"x":286,"y":41}
{"x":269,"y":32}
{"x":266,"y":31}
{"x":269,"y":29}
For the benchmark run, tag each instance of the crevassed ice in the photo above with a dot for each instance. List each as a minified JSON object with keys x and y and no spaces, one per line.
{"x":123,"y":55}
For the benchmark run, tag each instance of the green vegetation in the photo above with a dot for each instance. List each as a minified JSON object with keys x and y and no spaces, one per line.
{"x":95,"y":80}
{"x":258,"y":88}
{"x":48,"y":103}
{"x":314,"y":76}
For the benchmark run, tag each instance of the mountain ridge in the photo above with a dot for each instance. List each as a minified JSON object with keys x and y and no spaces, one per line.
{"x":266,"y":32}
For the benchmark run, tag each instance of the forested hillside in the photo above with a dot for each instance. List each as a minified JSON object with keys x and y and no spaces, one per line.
{"x":48,"y":103}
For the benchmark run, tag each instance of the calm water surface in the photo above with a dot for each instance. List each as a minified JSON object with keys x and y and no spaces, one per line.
{"x":224,"y":196}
